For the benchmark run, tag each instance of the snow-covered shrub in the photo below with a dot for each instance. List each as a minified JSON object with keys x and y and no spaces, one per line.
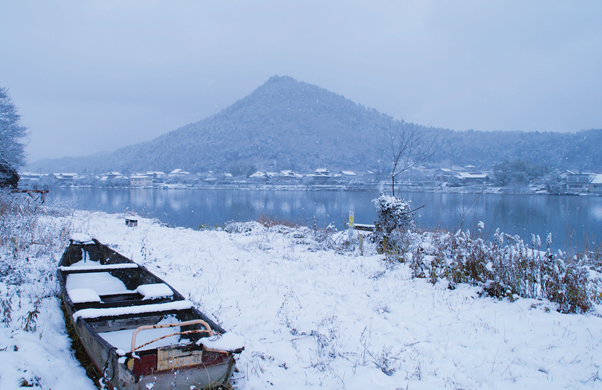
{"x":242,"y":227}
{"x":417,"y":262}
{"x":25,"y":228}
{"x":322,"y":238}
{"x":395,"y":219}
{"x":594,"y":258}
{"x":507,"y":267}
{"x":29,"y":239}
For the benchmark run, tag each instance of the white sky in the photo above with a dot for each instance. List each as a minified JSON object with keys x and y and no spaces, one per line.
{"x":90,"y":76}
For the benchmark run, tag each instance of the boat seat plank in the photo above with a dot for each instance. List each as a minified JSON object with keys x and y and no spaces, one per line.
{"x":83,"y":295}
{"x":124,"y":300}
{"x":97,"y":268}
{"x":155,"y":290}
{"x":132,"y":310}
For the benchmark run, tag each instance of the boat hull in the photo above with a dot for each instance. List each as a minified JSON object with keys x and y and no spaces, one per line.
{"x":186,"y":365}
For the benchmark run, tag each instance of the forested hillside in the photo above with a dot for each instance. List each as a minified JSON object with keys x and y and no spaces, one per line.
{"x":578,"y":151}
{"x":287,"y":124}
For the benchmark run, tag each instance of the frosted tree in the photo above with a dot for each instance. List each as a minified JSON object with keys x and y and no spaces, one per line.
{"x":395,"y":219}
{"x":12,"y":135}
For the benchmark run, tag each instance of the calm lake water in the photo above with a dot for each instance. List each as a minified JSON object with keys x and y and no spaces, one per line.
{"x":572,"y":220}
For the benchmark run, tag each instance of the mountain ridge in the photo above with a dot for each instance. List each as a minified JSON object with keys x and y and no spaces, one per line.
{"x":289,"y":124}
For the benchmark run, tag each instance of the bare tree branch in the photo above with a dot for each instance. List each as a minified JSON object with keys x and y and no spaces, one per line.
{"x":411,"y":145}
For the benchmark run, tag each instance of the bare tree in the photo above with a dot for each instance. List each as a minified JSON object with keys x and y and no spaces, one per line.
{"x":411,"y":145}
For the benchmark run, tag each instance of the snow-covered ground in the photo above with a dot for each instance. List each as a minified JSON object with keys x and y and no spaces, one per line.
{"x":312,"y":317}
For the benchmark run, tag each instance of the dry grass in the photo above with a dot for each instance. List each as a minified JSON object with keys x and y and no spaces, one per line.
{"x":270,"y":221}
{"x":507,"y":267}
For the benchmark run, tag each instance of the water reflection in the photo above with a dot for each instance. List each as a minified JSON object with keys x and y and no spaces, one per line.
{"x":573,"y":220}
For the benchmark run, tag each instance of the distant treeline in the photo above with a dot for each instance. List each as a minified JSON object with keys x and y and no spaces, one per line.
{"x":485,"y":149}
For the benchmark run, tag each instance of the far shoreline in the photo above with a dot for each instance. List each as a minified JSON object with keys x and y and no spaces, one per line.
{"x":377,"y":188}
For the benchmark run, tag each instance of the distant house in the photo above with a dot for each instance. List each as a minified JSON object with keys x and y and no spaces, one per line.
{"x":258,"y":176}
{"x":27,"y":178}
{"x":112,"y":175}
{"x":86,"y":179}
{"x":595,"y":185}
{"x":141,"y":181}
{"x":468,"y":178}
{"x":155,"y":174}
{"x":443,"y":175}
{"x":65,"y":178}
{"x":321,"y":175}
{"x":178,"y":173}
{"x":288,"y":175}
{"x":179,"y":176}
{"x":576,"y":182}
{"x":346,"y":176}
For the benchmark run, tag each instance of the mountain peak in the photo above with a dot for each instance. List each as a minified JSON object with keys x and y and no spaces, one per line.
{"x":286,"y":84}
{"x":281,"y":79}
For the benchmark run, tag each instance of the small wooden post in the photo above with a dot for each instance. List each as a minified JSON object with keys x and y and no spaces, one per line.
{"x":351,"y":218}
{"x":361,"y":237}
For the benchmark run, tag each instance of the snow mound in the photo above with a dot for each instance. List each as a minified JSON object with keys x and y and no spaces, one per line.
{"x":153,"y":291}
{"x":102,"y":282}
{"x":83,"y":295}
{"x":226,"y":342}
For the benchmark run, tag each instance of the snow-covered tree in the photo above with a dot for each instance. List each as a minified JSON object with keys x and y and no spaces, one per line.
{"x":395,"y":218}
{"x":12,"y":135}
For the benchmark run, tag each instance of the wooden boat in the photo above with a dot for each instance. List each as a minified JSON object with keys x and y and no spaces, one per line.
{"x":138,"y":331}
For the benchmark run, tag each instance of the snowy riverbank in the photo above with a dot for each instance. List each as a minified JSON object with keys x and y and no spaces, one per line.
{"x":312,"y":317}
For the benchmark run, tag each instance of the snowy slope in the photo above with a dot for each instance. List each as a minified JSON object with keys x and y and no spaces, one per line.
{"x":313,"y":318}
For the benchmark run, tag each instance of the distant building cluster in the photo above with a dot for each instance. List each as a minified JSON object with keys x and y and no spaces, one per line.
{"x":181,"y":177}
{"x":578,"y":183}
{"x":419,"y":178}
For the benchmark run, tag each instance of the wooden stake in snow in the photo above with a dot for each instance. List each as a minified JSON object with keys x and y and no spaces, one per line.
{"x":351,"y":218}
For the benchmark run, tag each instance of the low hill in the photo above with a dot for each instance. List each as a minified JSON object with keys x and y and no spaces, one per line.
{"x":288,"y":124}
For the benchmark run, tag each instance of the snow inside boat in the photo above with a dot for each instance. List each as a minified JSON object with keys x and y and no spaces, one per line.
{"x":138,"y":331}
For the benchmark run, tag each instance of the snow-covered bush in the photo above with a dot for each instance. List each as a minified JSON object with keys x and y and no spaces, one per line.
{"x":322,"y":238}
{"x":314,"y":238}
{"x":241,"y":227}
{"x":395,"y":219}
{"x":507,"y":267}
{"x":28,"y":241}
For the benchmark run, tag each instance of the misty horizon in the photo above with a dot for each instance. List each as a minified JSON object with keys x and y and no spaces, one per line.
{"x":90,"y":77}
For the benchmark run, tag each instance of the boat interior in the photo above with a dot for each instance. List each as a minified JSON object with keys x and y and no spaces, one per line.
{"x":117,"y":297}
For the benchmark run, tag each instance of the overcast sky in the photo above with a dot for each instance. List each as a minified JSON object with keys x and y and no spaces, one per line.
{"x":90,"y":76}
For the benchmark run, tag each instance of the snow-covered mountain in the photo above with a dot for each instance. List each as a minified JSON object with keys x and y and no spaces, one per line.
{"x":288,"y":124}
